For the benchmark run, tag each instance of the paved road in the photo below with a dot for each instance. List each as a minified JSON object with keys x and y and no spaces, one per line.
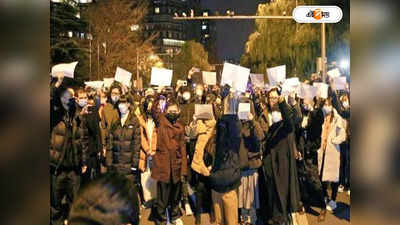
{"x":341,"y":216}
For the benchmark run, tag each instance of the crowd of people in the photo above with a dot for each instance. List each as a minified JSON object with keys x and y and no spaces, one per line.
{"x":116,"y":150}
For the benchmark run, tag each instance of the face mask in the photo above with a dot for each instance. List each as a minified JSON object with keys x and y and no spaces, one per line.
{"x":123,"y":108}
{"x":346,"y":105}
{"x":327,"y":109}
{"x":114,"y":98}
{"x":199,"y":93}
{"x":82,"y":102}
{"x":276,"y":116}
{"x":308,"y":107}
{"x":172,"y":117}
{"x":186,"y":96}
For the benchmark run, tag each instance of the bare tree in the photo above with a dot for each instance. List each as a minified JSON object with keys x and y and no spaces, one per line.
{"x":117,"y":27}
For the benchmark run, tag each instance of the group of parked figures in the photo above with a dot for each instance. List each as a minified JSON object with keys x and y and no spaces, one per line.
{"x":114,"y":151}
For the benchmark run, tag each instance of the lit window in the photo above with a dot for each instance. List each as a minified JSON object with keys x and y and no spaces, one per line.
{"x":204,"y":27}
{"x":205,"y":13}
{"x":207,"y":35}
{"x":157,"y":10}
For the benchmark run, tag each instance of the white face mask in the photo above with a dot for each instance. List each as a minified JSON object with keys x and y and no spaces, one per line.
{"x":114,"y":98}
{"x":186,"y":96}
{"x":346,"y":104}
{"x":82,"y":102}
{"x":327,"y":109}
{"x":199,"y":93}
{"x":276,"y":116}
{"x":123,"y":108}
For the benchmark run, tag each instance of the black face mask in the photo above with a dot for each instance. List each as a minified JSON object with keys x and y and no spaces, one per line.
{"x":172,"y":117}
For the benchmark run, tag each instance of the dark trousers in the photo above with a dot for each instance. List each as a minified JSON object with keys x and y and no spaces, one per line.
{"x":134,"y":198}
{"x":64,"y":184}
{"x":168,"y":196}
{"x":334,"y":187}
{"x":203,"y":197}
{"x":345,"y":164}
{"x":92,"y":171}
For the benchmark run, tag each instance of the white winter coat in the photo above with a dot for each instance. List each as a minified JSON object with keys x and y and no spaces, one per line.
{"x":336,"y":136}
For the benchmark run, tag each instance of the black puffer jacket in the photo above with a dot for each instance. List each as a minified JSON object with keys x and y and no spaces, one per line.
{"x":68,"y":143}
{"x":225,"y":174}
{"x":125,"y":150}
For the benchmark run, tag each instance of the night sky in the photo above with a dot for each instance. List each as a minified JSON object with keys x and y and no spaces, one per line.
{"x":232,"y":34}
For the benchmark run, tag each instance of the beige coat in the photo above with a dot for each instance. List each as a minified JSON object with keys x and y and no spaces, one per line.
{"x":336,"y":136}
{"x":205,"y":131}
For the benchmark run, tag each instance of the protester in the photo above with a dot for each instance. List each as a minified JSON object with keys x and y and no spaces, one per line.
{"x":333,"y":134}
{"x":250,"y":160}
{"x":67,"y":153}
{"x":225,"y":173}
{"x":130,"y":147}
{"x":309,"y":143}
{"x":279,"y":163}
{"x":123,"y":156}
{"x":169,"y":164}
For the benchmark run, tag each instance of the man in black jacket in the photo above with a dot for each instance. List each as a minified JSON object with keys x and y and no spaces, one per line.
{"x":67,"y":155}
{"x":123,"y":157}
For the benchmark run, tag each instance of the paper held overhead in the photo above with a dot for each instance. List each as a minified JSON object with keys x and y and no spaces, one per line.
{"x":108,"y":82}
{"x":334,"y":73}
{"x":322,"y":90}
{"x":161,"y":77}
{"x":235,"y":76}
{"x":209,"y":78}
{"x":67,"y":68}
{"x":339,"y":83}
{"x":244,"y":111}
{"x":276,"y":75}
{"x":291,"y":85}
{"x":257,"y":80}
{"x":203,"y":111}
{"x":95,"y":84}
{"x":307,"y":92}
{"x":123,"y":76}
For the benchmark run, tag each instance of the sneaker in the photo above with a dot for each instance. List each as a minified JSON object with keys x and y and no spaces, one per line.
{"x":188,"y":210}
{"x":331,"y":206}
{"x":341,"y":188}
{"x":178,"y":222}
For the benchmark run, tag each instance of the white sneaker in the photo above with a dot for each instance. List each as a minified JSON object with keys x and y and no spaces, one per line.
{"x":188,"y":210}
{"x":331,"y":206}
{"x":341,"y":188}
{"x":178,"y":222}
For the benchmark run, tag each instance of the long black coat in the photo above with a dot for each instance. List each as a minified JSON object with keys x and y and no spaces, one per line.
{"x":279,"y":168}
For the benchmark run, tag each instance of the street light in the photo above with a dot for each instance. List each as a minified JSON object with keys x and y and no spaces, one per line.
{"x":344,"y":64}
{"x":134,"y":27}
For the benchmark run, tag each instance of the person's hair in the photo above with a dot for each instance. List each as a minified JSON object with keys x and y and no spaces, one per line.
{"x":172,"y":102}
{"x":105,"y":201}
{"x":327,"y":101}
{"x":80,"y":91}
{"x":125,"y":99}
{"x":113,"y":86}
